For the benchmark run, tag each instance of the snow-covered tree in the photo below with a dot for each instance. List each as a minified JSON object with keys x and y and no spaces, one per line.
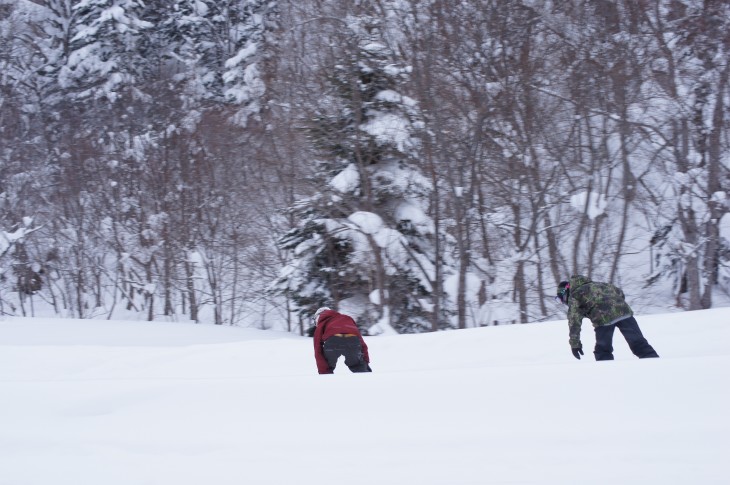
{"x":437,"y":157}
{"x":691,"y":75}
{"x":139,"y":146}
{"x":364,"y":241}
{"x":105,"y":53}
{"x":219,"y":44}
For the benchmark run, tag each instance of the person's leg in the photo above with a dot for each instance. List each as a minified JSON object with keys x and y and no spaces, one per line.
{"x":629,"y":328}
{"x":354,"y":358}
{"x":333,"y":349}
{"x":604,"y":343}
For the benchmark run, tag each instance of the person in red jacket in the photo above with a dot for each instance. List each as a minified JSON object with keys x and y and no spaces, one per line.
{"x":336,"y":335}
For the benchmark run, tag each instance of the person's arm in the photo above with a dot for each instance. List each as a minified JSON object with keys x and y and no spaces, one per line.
{"x":322,"y":365}
{"x":575,"y":319}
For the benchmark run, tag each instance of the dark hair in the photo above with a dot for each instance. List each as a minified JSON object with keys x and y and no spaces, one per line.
{"x":563,"y":292}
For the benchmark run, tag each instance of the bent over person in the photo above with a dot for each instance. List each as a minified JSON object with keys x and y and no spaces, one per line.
{"x":335,"y":335}
{"x":605,"y":305}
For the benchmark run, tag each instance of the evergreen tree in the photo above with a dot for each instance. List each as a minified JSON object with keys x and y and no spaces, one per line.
{"x":364,"y":239}
{"x":218,"y":42}
{"x":105,"y":50}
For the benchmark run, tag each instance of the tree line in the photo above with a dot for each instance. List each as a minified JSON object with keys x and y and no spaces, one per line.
{"x":428,"y":164}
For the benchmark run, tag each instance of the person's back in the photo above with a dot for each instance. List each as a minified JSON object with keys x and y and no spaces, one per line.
{"x":332,"y":322}
{"x":602,"y":303}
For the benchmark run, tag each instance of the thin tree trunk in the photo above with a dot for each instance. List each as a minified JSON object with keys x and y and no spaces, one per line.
{"x":714,"y":186}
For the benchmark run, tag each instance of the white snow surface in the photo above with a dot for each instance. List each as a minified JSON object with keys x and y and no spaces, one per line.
{"x":129,"y":403}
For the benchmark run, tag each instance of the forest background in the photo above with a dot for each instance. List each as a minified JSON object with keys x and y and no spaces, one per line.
{"x":421,"y":164}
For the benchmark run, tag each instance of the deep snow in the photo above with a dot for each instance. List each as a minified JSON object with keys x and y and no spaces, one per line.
{"x":121,"y":403}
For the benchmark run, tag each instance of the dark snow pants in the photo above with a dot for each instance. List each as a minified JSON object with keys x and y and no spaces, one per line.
{"x":350,"y":348}
{"x":631,"y":332}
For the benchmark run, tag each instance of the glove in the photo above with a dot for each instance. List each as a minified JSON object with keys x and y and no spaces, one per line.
{"x":577,"y":352}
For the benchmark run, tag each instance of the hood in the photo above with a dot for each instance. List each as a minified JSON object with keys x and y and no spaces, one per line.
{"x":326,"y":315}
{"x":577,"y":281}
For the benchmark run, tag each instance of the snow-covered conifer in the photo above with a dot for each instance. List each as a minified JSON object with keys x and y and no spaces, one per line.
{"x":365,"y":241}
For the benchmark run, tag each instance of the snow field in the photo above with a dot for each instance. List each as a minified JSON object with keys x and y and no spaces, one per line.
{"x":120,"y":403}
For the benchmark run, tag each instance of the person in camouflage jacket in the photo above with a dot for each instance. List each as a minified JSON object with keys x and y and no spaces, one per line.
{"x":605,"y":305}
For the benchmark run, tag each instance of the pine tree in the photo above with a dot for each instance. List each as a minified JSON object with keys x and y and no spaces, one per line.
{"x":105,"y":53}
{"x":219,"y":43}
{"x":364,"y":239}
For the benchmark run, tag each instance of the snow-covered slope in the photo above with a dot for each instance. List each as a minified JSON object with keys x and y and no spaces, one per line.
{"x":117,"y":403}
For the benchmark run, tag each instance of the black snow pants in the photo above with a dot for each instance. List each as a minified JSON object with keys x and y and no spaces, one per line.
{"x":631,"y":332}
{"x":350,"y":348}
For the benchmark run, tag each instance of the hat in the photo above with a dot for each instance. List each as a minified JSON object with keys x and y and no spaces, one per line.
{"x":319,"y":311}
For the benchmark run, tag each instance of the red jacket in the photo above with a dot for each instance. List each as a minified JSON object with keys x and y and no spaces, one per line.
{"x":331,"y":323}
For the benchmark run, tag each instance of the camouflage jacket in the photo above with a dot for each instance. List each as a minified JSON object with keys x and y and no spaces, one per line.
{"x":602,"y":303}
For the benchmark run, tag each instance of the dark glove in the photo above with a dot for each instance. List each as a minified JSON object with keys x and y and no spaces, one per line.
{"x":577,"y":352}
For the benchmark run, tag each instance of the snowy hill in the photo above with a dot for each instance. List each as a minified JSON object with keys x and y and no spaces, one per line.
{"x":116,"y":403}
